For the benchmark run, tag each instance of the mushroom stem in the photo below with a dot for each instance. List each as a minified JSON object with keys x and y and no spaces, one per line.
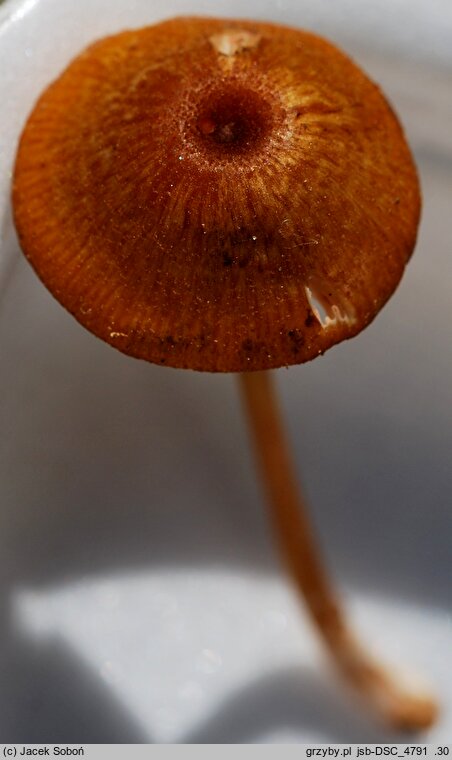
{"x":401,"y":707}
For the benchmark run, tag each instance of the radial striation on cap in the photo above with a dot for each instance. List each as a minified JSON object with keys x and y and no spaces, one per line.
{"x":217,"y":195}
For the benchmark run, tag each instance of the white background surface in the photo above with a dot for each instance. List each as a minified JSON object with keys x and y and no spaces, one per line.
{"x":141,"y":596}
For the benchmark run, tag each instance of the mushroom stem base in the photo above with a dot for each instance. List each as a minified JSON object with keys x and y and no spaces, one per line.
{"x":402,"y":707}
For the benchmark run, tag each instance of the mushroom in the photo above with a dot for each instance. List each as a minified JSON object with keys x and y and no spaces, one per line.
{"x":229,"y":196}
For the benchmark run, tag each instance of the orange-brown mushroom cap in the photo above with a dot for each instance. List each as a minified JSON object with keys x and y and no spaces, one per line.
{"x":192,"y":192}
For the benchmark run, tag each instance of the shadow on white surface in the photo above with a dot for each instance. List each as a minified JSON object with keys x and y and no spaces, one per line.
{"x":210,"y":658}
{"x":70,"y":704}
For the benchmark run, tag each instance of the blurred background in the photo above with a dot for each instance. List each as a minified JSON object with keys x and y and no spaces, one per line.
{"x":142,"y":599}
